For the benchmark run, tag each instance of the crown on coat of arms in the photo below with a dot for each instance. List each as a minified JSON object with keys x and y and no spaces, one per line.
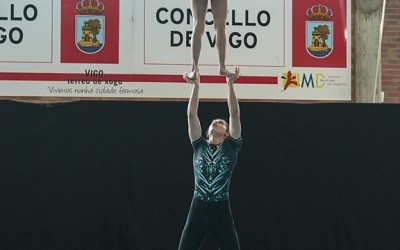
{"x":319,"y":12}
{"x":90,"y":7}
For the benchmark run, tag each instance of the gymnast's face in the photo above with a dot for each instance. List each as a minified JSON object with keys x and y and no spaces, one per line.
{"x":218,"y":127}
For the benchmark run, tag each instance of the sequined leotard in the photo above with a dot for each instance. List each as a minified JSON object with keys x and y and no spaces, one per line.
{"x":213,"y":166}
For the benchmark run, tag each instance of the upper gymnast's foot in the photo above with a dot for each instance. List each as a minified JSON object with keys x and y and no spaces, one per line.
{"x":225,"y":72}
{"x":194,"y":75}
{"x":188,"y":79}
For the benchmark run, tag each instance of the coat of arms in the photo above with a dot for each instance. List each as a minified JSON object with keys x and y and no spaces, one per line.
{"x":89,"y":26}
{"x":319,"y":31}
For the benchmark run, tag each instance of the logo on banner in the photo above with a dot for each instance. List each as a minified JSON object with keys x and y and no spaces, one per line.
{"x":303,"y":80}
{"x":319,"y":31}
{"x":84,"y":37}
{"x":89,"y":26}
{"x":289,"y":80}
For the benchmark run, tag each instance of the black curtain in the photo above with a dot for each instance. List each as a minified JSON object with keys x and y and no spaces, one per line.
{"x":118,"y":175}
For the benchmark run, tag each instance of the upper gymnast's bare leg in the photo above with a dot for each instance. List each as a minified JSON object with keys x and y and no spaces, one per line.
{"x":220,"y":12}
{"x":199,"y":11}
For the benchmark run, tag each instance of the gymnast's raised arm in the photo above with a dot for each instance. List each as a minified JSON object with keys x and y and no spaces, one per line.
{"x":233,"y":105}
{"x":194,"y":127}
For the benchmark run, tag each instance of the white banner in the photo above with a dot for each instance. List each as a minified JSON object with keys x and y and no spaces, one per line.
{"x":168,"y":28}
{"x":26,"y":31}
{"x":140,"y":48}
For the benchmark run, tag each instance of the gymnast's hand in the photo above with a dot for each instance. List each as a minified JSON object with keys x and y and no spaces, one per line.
{"x":233,"y":77}
{"x":190,"y":80}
